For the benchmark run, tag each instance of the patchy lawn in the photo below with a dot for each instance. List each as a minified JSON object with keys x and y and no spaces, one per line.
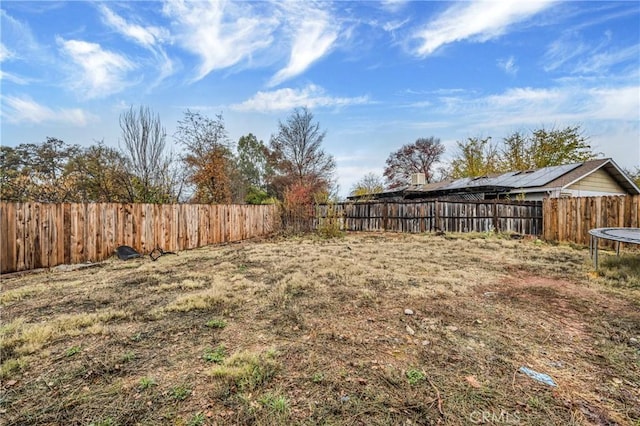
{"x":365,"y":329}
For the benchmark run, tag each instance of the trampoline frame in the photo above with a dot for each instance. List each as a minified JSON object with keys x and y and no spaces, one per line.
{"x":605,"y":234}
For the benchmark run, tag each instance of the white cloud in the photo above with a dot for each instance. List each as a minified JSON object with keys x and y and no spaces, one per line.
{"x":221,"y":33}
{"x":5,"y":53}
{"x":13,"y":78}
{"x":571,"y":53}
{"x":620,"y":103}
{"x":601,"y":62}
{"x":25,"y":110}
{"x":524,"y":96}
{"x":508,"y":65}
{"x":315,"y":33}
{"x":101,"y":72}
{"x":478,"y":21}
{"x":18,"y":36}
{"x":563,"y":50}
{"x":562,"y":105}
{"x":391,"y":26}
{"x":149,"y":37}
{"x":285,"y":99}
{"x":393,"y":5}
{"x":146,"y":36}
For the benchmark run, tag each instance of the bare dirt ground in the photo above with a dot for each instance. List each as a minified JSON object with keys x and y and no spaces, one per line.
{"x":305,"y":330}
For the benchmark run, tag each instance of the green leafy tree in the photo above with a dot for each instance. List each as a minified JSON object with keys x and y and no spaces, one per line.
{"x":99,"y":174}
{"x":252,"y":160}
{"x":14,"y":184}
{"x":258,"y":196}
{"x":560,"y":146}
{"x":37,"y":172}
{"x":475,"y":157}
{"x":516,"y":152}
{"x":295,"y":157}
{"x":253,"y":169}
{"x":418,"y":157}
{"x":369,"y":184}
{"x":544,"y":148}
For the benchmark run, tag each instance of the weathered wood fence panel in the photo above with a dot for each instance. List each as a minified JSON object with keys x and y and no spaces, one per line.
{"x":35,"y":235}
{"x":434,"y":215}
{"x":570,"y":219}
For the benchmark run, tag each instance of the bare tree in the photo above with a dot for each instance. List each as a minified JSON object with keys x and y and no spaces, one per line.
{"x":144,"y":141}
{"x":418,"y":157}
{"x":296,"y":156}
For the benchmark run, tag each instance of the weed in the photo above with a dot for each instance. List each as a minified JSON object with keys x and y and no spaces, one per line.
{"x":107,"y":421}
{"x":242,"y":268}
{"x":535,"y":402}
{"x":203,"y":300}
{"x":29,"y":338}
{"x":275,"y":403}
{"x":128,"y":356}
{"x":136,"y":337}
{"x":622,"y":271}
{"x":248,"y":370}
{"x":198,"y":419}
{"x":146,"y":383}
{"x":10,"y":366}
{"x":186,"y":284}
{"x":329,"y":224}
{"x":215,"y":355}
{"x":317,"y":377}
{"x":415,"y":376}
{"x":72,"y":351}
{"x":180,"y":393}
{"x":216,"y":323}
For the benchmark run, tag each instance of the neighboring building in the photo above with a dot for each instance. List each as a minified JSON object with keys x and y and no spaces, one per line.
{"x":588,"y":179}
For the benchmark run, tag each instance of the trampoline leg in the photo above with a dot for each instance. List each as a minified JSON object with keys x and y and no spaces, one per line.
{"x":618,"y":248}
{"x":595,"y":257}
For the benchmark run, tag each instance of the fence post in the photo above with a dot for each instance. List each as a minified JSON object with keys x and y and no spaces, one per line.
{"x":495,"y":215}
{"x":385,"y":216}
{"x":436,"y":216}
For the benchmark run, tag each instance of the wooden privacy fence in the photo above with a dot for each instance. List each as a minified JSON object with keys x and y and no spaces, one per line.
{"x":570,"y":219}
{"x":35,"y":235}
{"x":523,"y":217}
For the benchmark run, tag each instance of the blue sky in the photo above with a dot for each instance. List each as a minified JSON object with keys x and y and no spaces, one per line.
{"x":376,"y":75}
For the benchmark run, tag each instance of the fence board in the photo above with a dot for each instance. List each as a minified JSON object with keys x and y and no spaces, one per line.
{"x":570,"y":219}
{"x":34,"y":235}
{"x":433,"y":215}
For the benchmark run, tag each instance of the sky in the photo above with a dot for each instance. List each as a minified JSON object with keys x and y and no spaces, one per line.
{"x":376,"y":75}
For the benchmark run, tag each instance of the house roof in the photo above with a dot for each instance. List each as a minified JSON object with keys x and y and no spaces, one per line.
{"x":537,"y":180}
{"x":589,"y":167}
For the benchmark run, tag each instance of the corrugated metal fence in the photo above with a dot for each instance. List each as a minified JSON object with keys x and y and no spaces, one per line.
{"x":35,"y":235}
{"x":523,"y":217}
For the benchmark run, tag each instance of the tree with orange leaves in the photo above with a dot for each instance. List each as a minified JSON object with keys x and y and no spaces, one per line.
{"x":209,"y":158}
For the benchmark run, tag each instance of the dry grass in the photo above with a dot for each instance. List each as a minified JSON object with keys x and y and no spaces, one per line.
{"x":306,"y":330}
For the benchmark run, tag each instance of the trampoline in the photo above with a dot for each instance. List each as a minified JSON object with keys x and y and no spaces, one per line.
{"x":619,"y":235}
